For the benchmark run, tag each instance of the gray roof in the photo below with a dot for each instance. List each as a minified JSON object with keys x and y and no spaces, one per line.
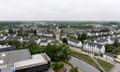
{"x":51,"y":39}
{"x":10,"y":37}
{"x":94,"y":44}
{"x":45,"y":32}
{"x":43,"y":41}
{"x":102,"y":40}
{"x":14,"y":56}
{"x":7,"y":49}
{"x":17,"y":37}
{"x":73,"y":40}
{"x":1,"y":37}
{"x":26,"y":38}
{"x":34,"y":38}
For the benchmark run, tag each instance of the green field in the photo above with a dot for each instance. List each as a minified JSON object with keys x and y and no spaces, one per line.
{"x":85,"y":58}
{"x":107,"y":66}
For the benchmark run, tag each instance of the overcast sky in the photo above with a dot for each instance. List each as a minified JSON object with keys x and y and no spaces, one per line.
{"x":60,"y":10}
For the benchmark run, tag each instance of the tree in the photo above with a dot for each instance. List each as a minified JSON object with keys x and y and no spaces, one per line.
{"x":65,"y":41}
{"x":109,"y":48}
{"x":33,"y":47}
{"x":36,"y":49}
{"x":15,"y":43}
{"x":35,"y":32}
{"x":10,"y":31}
{"x":105,"y":30}
{"x":71,"y":36}
{"x":74,"y":69}
{"x":58,"y":52}
{"x":4,"y":32}
{"x":29,"y":44}
{"x":82,"y":37}
{"x":116,"y":43}
{"x":3,"y":42}
{"x":57,"y":66}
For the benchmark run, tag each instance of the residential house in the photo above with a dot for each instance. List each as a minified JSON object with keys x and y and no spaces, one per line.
{"x":109,"y":57}
{"x":101,"y":41}
{"x":36,"y":39}
{"x":74,"y":42}
{"x":6,"y":48}
{"x":64,"y":35}
{"x":18,"y":38}
{"x":94,"y":48}
{"x":44,"y":42}
{"x":26,"y":38}
{"x":51,"y":40}
{"x":10,"y":37}
{"x":2,"y":38}
{"x":47,"y":34}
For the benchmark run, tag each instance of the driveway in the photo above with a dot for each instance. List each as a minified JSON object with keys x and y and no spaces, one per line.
{"x":83,"y":66}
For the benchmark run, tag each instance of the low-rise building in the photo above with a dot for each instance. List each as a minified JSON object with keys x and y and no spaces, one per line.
{"x":2,"y":37}
{"x":44,"y":42}
{"x":26,"y":38}
{"x":75,"y":43}
{"x":36,"y":39}
{"x":94,"y":48}
{"x":109,"y":57}
{"x":47,"y":34}
{"x":6,"y":48}
{"x":18,"y":38}
{"x":23,"y":61}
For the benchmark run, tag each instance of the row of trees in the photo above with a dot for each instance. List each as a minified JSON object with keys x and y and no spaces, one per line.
{"x":21,"y":32}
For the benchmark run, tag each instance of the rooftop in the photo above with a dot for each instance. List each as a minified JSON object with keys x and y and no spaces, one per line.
{"x":14,"y":56}
{"x":21,"y":59}
{"x":73,"y":40}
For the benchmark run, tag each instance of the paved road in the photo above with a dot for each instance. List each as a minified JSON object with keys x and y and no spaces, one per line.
{"x":84,"y":67}
{"x":116,"y":68}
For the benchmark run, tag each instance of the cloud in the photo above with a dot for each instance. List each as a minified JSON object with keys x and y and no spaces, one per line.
{"x":59,"y":10}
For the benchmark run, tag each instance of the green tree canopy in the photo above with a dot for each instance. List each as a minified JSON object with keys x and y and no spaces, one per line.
{"x":65,"y":40}
{"x":57,"y":65}
{"x":82,"y":37}
{"x":58,"y":52}
{"x":74,"y":69}
{"x":116,"y":43}
{"x":15,"y":43}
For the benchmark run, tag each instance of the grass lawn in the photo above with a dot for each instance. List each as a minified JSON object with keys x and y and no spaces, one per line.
{"x":85,"y":58}
{"x":107,"y":66}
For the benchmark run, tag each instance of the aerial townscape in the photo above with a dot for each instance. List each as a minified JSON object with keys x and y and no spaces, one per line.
{"x":59,"y":46}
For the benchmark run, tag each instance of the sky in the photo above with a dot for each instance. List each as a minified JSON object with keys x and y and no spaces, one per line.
{"x":92,"y":10}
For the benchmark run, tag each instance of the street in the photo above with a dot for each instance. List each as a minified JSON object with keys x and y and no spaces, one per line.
{"x":83,"y":66}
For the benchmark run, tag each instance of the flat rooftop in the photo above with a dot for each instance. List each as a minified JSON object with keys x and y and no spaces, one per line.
{"x":21,"y":59}
{"x":36,"y":60}
{"x":10,"y":57}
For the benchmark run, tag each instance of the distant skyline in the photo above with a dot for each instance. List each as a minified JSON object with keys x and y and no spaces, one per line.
{"x":60,"y":10}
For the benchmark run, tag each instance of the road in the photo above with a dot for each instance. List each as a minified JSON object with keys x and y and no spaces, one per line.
{"x":83,"y":66}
